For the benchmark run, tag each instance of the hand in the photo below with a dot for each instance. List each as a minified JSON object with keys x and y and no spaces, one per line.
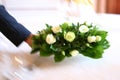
{"x":29,"y":40}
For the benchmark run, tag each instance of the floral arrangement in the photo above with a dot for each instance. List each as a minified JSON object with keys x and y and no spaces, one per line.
{"x":70,"y":39}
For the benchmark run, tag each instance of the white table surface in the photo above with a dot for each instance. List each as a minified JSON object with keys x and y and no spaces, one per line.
{"x":75,"y":68}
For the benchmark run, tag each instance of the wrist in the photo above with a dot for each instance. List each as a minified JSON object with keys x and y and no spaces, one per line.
{"x":28,"y":40}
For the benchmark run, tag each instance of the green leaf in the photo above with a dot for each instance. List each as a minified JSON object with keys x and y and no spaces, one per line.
{"x":58,"y":57}
{"x":36,"y":40}
{"x":45,"y":47}
{"x":103,"y":34}
{"x":53,"y":48}
{"x":95,"y":52}
{"x":64,"y":26}
{"x":35,"y":50}
{"x":106,"y":44}
{"x":44,"y":53}
{"x":48,"y":26}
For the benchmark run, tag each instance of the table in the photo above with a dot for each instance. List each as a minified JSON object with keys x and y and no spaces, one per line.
{"x":33,"y":67}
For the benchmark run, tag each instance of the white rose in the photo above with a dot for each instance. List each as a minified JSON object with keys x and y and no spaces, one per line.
{"x":69,"y":36}
{"x":83,"y":29}
{"x":91,"y":39}
{"x":56,"y":29}
{"x":50,"y":39}
{"x":98,"y":38}
{"x":88,"y":23}
{"x":74,"y":52}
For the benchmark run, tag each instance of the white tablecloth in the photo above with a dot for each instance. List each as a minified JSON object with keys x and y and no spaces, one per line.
{"x":18,"y":62}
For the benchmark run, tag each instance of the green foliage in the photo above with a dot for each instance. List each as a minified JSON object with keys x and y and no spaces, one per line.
{"x":48,"y":43}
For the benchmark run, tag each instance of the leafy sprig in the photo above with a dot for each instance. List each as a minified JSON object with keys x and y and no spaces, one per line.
{"x":70,"y":39}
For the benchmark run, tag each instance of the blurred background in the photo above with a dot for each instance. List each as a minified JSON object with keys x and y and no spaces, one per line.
{"x":100,"y":6}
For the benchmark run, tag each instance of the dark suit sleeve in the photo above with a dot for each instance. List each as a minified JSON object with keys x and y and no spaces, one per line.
{"x":13,"y":30}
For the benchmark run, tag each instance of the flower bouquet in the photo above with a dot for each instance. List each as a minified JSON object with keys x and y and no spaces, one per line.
{"x":70,"y":39}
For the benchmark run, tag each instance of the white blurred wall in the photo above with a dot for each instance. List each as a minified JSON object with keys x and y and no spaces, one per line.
{"x":29,"y":4}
